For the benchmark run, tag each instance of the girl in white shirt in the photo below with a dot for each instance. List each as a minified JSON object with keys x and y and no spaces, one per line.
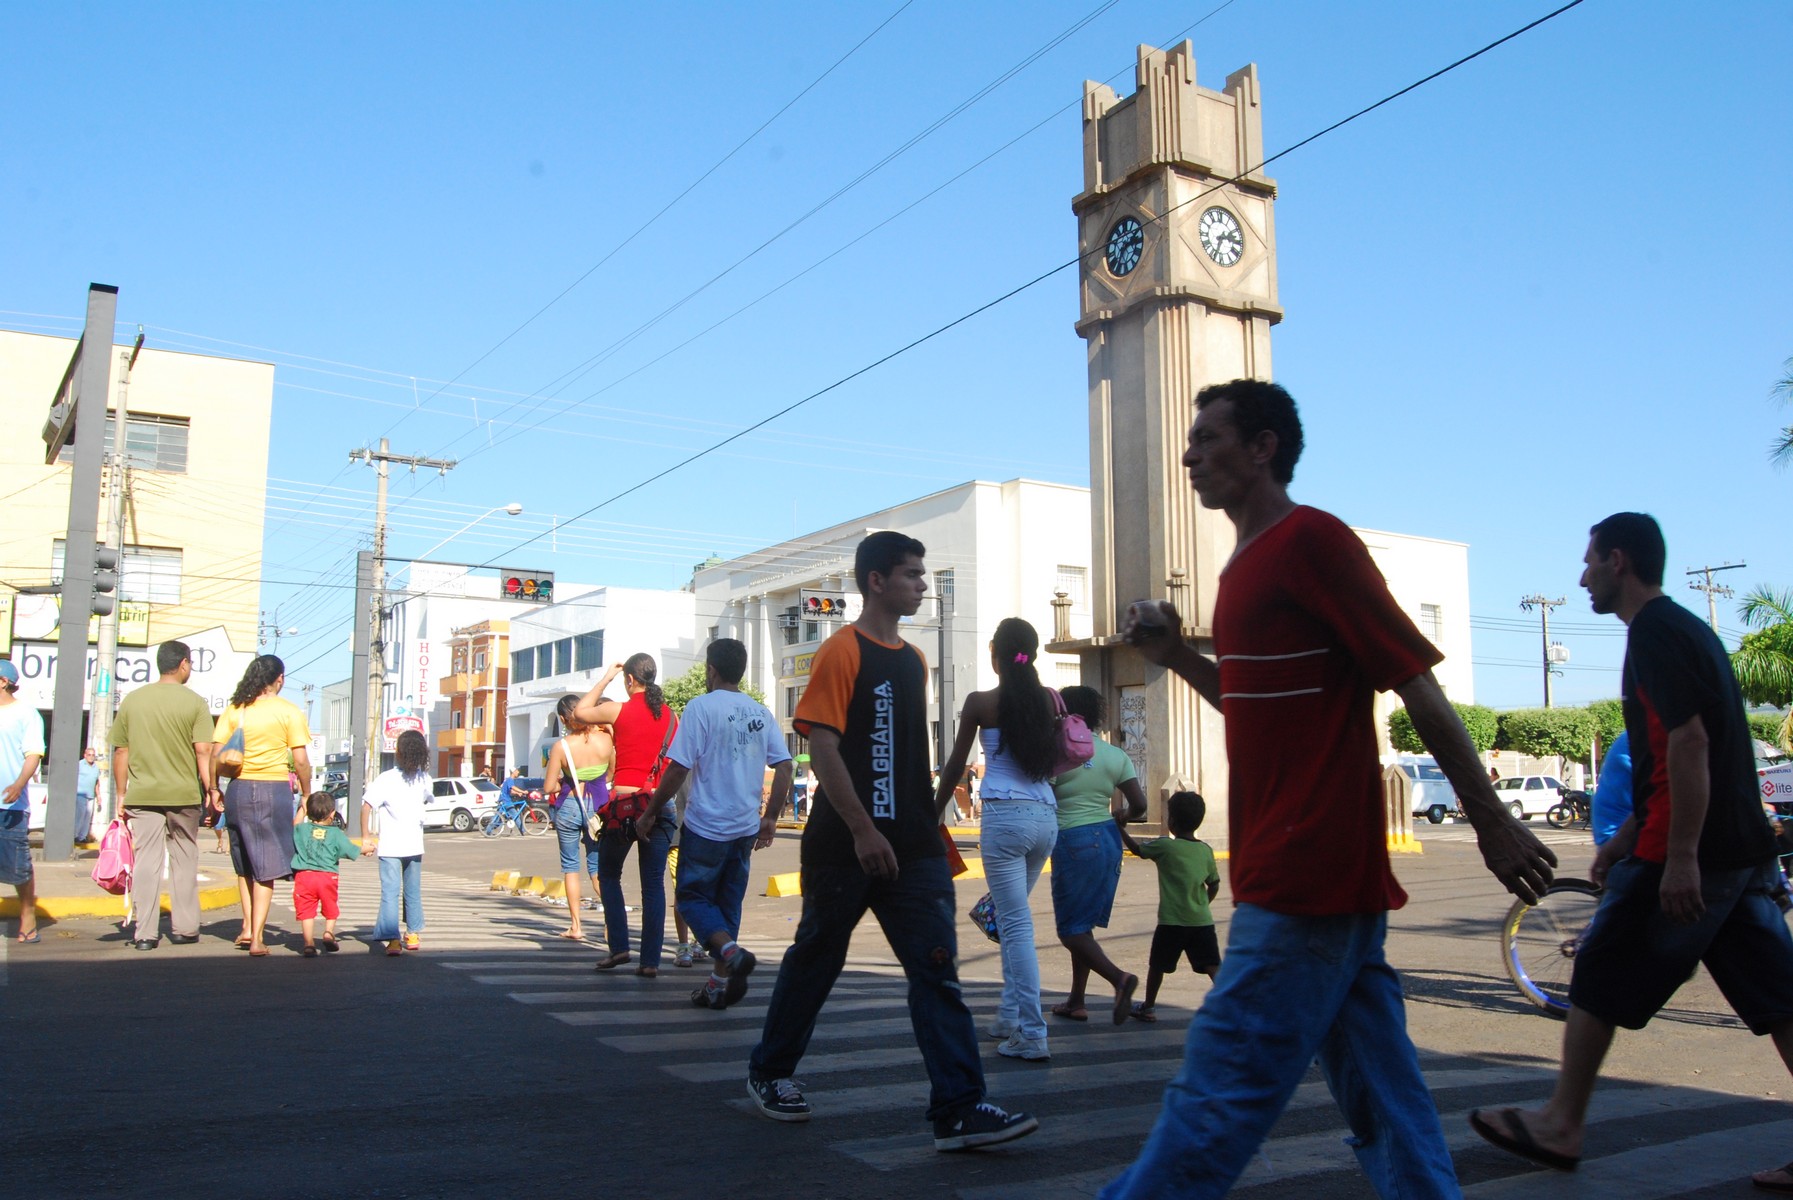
{"x":392,"y":813}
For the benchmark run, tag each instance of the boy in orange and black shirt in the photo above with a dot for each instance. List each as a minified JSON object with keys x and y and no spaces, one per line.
{"x":873,"y":842}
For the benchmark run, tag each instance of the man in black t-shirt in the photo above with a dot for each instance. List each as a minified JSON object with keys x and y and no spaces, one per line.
{"x":873,"y":842}
{"x":1690,"y":877}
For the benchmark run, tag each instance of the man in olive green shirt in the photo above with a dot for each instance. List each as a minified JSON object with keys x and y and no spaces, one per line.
{"x":162,"y":770}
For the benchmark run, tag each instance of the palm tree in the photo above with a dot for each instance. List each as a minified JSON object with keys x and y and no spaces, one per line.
{"x":1763,"y":661}
{"x":1781,"y":452}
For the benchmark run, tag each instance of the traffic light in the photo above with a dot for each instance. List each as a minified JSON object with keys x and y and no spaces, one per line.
{"x":105,"y":580}
{"x":816,"y":607}
{"x":529,"y":585}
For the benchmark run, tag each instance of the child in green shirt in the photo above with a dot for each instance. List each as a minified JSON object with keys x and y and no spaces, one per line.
{"x":318,"y":845}
{"x":1187,"y":881}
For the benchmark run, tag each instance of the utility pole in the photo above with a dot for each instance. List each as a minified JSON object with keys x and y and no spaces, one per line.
{"x":77,"y":412}
{"x":1536,"y":600}
{"x":1714,"y":590}
{"x":105,"y":676}
{"x":361,"y":751}
{"x":944,"y":602}
{"x":380,"y":460}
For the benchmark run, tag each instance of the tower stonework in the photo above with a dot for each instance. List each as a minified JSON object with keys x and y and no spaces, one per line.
{"x":1178,"y":290}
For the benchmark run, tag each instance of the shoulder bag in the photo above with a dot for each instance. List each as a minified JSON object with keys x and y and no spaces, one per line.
{"x":230,"y":758}
{"x":1073,"y":744}
{"x":593,"y":822}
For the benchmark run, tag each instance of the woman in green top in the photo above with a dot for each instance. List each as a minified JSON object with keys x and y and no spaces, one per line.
{"x":575,"y":778}
{"x":1093,"y":802}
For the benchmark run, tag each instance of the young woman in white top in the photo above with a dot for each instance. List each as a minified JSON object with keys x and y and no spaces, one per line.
{"x":393,"y":811}
{"x":1017,"y":724}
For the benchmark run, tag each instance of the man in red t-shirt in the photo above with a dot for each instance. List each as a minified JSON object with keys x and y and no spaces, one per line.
{"x":1305,"y":634}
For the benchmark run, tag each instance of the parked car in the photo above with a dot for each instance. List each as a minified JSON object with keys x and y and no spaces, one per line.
{"x":458,"y":804}
{"x":1433,"y":797}
{"x":1528,"y":796}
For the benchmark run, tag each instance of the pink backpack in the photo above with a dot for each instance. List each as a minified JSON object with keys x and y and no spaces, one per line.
{"x":112,"y":870}
{"x":1072,"y":741}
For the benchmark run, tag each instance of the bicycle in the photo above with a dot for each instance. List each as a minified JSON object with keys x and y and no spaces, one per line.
{"x":1539,"y":942}
{"x":512,"y":814}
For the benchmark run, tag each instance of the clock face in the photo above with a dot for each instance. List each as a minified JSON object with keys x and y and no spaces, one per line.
{"x":1125,"y":241}
{"x":1221,"y":236}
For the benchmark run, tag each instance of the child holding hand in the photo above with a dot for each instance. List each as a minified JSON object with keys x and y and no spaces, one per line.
{"x":318,"y":845}
{"x":1187,"y":881}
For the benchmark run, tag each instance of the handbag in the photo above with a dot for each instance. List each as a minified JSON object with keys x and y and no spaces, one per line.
{"x":983,"y":915}
{"x":1073,"y":744}
{"x":117,"y":860}
{"x":230,"y":758}
{"x":621,"y":811}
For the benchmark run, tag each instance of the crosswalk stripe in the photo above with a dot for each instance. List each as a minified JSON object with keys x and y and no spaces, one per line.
{"x":744,"y":1038}
{"x":1656,"y":1172}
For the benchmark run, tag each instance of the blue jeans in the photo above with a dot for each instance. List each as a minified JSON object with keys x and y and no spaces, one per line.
{"x":1017,"y":838}
{"x":712,"y":884}
{"x":569,"y":829}
{"x":613,"y":850}
{"x":916,"y":912}
{"x":398,"y":874}
{"x":1291,"y":989}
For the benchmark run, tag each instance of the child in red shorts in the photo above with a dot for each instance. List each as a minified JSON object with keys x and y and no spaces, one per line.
{"x":318,"y":845}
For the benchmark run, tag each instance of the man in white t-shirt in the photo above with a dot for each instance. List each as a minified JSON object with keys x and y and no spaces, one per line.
{"x":724,"y":744}
{"x":21,"y":750}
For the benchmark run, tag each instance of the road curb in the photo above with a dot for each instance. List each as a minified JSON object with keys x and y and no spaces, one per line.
{"x":63,"y":908}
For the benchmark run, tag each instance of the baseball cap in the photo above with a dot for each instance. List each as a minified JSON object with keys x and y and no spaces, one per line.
{"x":8,"y":671}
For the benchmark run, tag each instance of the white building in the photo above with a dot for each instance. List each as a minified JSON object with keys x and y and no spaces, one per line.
{"x":566,"y":646}
{"x":1001,"y":550}
{"x":995,"y":550}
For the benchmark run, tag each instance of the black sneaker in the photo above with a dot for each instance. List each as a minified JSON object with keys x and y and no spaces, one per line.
{"x":779,"y":1099}
{"x":982,"y":1124}
{"x":705,"y":997}
{"x":739,"y":965}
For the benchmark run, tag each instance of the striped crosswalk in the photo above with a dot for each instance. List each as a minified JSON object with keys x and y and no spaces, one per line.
{"x":1096,"y":1100}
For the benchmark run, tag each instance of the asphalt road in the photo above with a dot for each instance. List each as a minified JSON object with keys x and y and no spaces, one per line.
{"x":497,"y":1063}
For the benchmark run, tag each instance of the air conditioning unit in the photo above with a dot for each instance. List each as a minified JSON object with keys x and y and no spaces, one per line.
{"x":788,"y":620}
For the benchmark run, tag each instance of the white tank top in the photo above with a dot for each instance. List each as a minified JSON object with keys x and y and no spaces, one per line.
{"x":1003,"y":780}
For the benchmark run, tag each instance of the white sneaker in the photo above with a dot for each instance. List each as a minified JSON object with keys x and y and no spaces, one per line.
{"x":1031,"y":1049}
{"x":1000,"y":1030}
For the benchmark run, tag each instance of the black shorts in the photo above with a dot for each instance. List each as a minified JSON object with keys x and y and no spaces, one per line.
{"x":1171,"y":942}
{"x":1634,"y":958}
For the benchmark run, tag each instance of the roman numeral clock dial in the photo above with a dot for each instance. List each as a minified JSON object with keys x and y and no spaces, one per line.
{"x":1125,"y":242}
{"x":1221,"y":236}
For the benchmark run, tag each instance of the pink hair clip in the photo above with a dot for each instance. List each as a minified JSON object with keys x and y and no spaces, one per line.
{"x":1020,"y":658}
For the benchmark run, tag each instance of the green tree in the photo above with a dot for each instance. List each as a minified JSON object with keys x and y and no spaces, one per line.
{"x":690,"y":685}
{"x":1609,"y":721}
{"x":1542,"y":732}
{"x":1481,"y":723}
{"x":1766,"y":727}
{"x":1780,"y":451}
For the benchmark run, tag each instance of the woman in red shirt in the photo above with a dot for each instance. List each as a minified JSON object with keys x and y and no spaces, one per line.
{"x":642,"y":727}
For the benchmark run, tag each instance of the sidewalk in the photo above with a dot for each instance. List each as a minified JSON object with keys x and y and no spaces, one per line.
{"x":66,"y":890}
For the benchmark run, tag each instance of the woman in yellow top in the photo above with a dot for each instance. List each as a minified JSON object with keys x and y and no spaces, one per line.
{"x":258,"y":805}
{"x":575,"y":778}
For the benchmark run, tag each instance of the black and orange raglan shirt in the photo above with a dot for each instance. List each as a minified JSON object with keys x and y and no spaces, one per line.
{"x":875,"y":697}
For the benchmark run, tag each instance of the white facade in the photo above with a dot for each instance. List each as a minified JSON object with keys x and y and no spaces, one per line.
{"x":566,"y":646}
{"x":1002,"y":549}
{"x":1005,"y":549}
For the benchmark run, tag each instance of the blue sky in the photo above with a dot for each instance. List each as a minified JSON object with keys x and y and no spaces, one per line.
{"x":1550,"y":285}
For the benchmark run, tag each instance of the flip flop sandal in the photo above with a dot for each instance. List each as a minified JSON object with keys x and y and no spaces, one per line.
{"x":1511,"y":1135}
{"x":612,"y":961}
{"x":254,"y":953}
{"x":1767,"y":1185}
{"x":570,"y":936}
{"x":310,"y":952}
{"x":242,"y":943}
{"x":1123,"y":999}
{"x":1069,"y":1013}
{"x":330,"y":946}
{"x":1143,"y":1011}
{"x":30,"y":939}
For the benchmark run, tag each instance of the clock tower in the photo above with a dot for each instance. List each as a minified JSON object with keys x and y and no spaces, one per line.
{"x":1178,"y":290}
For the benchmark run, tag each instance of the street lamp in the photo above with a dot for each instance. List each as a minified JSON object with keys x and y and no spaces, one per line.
{"x":513,"y":508}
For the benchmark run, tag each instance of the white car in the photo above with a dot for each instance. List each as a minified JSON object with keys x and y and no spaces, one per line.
{"x":458,"y":804}
{"x":1528,"y":796}
{"x":1433,"y":797}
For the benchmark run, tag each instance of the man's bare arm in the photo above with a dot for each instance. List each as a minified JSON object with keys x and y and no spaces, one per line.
{"x":1511,"y":852}
{"x":1690,"y":792}
{"x":1157,"y":634}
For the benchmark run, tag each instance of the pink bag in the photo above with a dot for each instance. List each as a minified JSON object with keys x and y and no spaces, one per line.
{"x":1073,"y":742}
{"x":112,"y":870}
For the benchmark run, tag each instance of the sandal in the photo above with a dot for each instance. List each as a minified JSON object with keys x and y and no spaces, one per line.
{"x":30,"y":939}
{"x":572,"y":935}
{"x":1143,"y":1011}
{"x":243,"y":942}
{"x":1123,"y":998}
{"x":255,"y":953}
{"x":1071,"y":1012}
{"x":1504,"y":1127}
{"x":330,"y":946}
{"x":310,"y":952}
{"x":612,"y":961}
{"x":1783,"y":1186}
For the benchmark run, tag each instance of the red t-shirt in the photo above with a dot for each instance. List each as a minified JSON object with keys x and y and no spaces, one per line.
{"x":1306,"y":633}
{"x":638,"y":740}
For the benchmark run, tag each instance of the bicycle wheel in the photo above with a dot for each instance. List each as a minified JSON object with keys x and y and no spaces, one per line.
{"x":1560,"y":816}
{"x":534,"y":820}
{"x":1539,"y":942}
{"x":488,"y":824}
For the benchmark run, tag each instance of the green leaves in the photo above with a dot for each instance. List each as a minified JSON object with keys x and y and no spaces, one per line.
{"x":1481,"y":723}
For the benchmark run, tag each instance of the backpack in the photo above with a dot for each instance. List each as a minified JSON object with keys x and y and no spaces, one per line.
{"x":1073,"y":744}
{"x":112,"y":870}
